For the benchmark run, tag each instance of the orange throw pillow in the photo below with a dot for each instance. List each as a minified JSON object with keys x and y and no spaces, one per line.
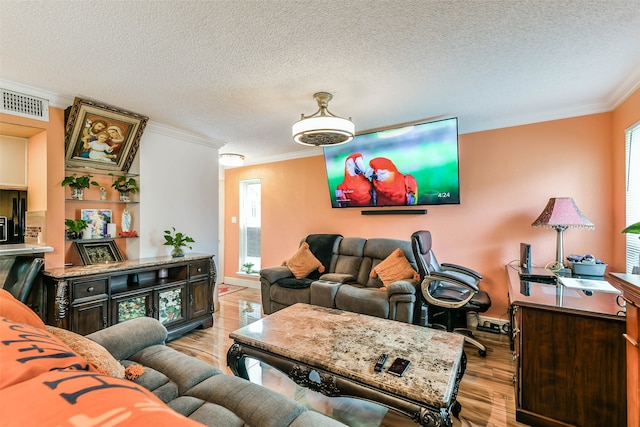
{"x":303,"y":262}
{"x":27,"y":351}
{"x":93,"y":352}
{"x":393,"y":268}
{"x":77,"y":398}
{"x":18,"y":312}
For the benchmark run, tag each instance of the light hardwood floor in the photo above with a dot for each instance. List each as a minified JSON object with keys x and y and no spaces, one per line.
{"x":486,"y":391}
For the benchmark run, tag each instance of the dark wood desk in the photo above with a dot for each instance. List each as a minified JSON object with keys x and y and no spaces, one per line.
{"x":629,"y":285}
{"x":570,"y":355}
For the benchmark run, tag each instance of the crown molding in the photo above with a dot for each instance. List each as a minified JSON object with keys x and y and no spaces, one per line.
{"x":527,"y":119}
{"x":182,"y":135}
{"x":625,"y":89}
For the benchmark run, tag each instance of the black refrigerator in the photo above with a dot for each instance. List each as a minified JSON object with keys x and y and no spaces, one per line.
{"x":13,"y":211}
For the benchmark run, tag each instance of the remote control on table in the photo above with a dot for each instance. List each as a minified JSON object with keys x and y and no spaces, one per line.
{"x":380,"y":363}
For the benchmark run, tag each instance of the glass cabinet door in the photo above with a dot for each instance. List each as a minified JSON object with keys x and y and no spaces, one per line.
{"x":171,"y":304}
{"x":132,"y":306}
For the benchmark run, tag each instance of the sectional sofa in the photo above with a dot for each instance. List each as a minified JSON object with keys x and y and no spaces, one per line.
{"x":123,"y":375}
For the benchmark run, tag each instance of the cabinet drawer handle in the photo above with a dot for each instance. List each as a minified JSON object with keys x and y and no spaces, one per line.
{"x":199,"y":269}
{"x":90,"y":289}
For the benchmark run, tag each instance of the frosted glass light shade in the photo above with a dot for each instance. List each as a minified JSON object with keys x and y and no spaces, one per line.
{"x":323,"y":130}
{"x":231,"y":159}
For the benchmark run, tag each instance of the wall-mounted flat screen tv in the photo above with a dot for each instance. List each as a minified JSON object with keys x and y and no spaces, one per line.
{"x":413,"y":165}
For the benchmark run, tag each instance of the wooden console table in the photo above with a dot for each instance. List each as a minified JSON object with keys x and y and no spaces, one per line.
{"x":629,"y":285}
{"x":176,"y":291}
{"x":570,"y":355}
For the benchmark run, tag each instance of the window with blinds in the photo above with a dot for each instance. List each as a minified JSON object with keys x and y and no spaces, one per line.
{"x":632,"y":150}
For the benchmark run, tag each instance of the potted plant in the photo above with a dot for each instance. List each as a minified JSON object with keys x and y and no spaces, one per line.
{"x":125,"y":186}
{"x":248,"y":267}
{"x":75,"y":228}
{"x":78,"y":184}
{"x":178,"y":241}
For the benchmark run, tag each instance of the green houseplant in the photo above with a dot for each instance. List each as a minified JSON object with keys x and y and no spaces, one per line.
{"x":78,"y":184}
{"x":178,"y":240}
{"x":632,"y":229}
{"x":125,"y":186}
{"x":75,"y":228}
{"x":248,"y":267}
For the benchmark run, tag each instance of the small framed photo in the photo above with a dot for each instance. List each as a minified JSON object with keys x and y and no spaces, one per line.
{"x":99,"y":252}
{"x":97,"y":220}
{"x":100,"y":136}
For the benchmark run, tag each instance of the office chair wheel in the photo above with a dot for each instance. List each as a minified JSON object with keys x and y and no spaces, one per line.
{"x":482,"y":353}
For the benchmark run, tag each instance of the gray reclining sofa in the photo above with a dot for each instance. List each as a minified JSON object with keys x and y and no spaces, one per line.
{"x":346,"y":283}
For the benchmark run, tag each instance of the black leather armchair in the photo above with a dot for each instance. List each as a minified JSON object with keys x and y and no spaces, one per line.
{"x":22,"y":275}
{"x":450,"y":291}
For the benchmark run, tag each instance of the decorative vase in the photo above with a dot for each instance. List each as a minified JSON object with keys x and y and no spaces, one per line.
{"x":87,"y":233}
{"x":177,"y":252}
{"x":124,"y":196}
{"x":77,"y":193}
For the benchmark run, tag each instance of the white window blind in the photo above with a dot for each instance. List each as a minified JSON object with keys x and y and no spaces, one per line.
{"x":632,"y":150}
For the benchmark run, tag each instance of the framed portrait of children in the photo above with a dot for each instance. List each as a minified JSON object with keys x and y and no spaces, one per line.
{"x":100,"y":136}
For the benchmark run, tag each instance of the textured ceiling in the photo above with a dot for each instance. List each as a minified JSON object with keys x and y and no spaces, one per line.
{"x":241,"y":72}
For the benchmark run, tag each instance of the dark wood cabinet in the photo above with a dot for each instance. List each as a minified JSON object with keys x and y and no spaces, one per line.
{"x":90,"y":316}
{"x":570,"y":355}
{"x":176,"y":291}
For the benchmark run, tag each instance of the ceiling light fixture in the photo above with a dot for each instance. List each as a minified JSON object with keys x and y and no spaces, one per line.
{"x":322,"y":127}
{"x":231,"y":159}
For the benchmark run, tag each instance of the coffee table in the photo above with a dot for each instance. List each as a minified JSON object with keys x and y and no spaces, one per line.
{"x":334,"y":352}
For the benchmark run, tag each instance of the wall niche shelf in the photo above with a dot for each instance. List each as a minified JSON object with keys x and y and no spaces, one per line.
{"x":93,"y":200}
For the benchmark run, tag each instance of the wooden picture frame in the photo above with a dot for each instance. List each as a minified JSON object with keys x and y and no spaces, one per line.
{"x":93,"y":252}
{"x":100,"y":136}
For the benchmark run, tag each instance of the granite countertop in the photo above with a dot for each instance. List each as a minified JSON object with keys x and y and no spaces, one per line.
{"x":83,"y":270}
{"x":23,"y":249}
{"x":349,"y":344}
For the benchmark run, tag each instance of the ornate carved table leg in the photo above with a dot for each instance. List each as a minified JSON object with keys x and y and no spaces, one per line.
{"x":236,"y":361}
{"x":61,"y":304}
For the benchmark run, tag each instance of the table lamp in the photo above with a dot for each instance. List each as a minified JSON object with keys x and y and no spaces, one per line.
{"x":562,"y":213}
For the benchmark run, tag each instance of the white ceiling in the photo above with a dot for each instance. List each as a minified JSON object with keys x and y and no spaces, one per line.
{"x":242,"y":71}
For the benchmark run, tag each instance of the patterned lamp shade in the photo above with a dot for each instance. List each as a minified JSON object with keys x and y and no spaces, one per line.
{"x":562,"y":212}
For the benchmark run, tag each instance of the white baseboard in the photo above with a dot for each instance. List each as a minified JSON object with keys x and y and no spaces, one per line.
{"x":255,"y":284}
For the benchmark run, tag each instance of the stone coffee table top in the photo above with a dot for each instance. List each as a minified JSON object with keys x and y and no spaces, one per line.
{"x":349,"y":344}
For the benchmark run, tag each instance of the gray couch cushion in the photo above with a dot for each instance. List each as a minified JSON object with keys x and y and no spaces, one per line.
{"x":256,"y":405}
{"x":371,"y":301}
{"x":290,"y":296}
{"x":206,"y":413}
{"x":124,"y":339}
{"x":183,"y":370}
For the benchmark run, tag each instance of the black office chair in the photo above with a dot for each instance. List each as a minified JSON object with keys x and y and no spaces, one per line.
{"x":450,"y":291}
{"x":22,"y":275}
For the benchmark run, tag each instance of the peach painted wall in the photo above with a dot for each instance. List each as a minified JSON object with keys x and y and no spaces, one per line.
{"x":51,"y":164}
{"x":626,"y":115}
{"x":507,"y":176}
{"x":37,"y":172}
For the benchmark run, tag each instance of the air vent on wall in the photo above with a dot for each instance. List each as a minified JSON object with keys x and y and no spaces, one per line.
{"x":23,"y":105}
